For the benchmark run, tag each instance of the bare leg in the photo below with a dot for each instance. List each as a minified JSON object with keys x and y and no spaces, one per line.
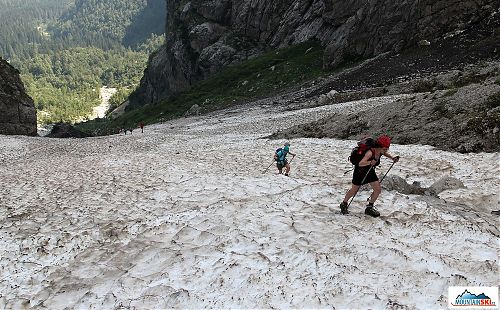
{"x":287,"y":166}
{"x":351,"y":192}
{"x":376,"y":191}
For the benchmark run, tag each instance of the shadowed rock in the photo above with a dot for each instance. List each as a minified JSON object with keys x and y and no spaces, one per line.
{"x":17,"y":110}
{"x":62,"y":130}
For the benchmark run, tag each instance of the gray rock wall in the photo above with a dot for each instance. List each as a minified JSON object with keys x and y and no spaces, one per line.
{"x":17,"y":110}
{"x":204,"y":36}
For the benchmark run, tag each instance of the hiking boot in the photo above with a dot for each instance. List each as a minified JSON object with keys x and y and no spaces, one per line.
{"x":343,"y":208}
{"x":371,"y":211}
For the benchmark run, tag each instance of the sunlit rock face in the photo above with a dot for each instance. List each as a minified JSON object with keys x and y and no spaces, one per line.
{"x":17,"y":110}
{"x":204,"y":36}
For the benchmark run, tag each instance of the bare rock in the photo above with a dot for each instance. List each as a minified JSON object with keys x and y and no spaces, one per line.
{"x":194,"y":110}
{"x":331,"y":94}
{"x":203,"y":36}
{"x":17,"y":109}
{"x":214,"y":57}
{"x":443,"y":184}
{"x":424,"y":43}
{"x":397,"y":183}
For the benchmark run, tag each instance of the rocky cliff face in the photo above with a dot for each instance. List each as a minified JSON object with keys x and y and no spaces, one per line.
{"x":17,"y":110}
{"x":203,"y":36}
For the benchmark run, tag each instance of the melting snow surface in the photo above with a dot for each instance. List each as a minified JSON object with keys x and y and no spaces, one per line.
{"x":183,"y":216}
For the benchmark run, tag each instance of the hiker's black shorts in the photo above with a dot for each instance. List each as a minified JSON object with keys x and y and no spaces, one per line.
{"x":281,"y":164}
{"x":359,"y":174}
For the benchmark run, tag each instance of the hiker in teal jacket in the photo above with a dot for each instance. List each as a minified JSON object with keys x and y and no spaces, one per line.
{"x":280,"y":158}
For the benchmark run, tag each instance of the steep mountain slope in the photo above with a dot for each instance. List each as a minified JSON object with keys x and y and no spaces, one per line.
{"x":455,"y":104}
{"x":205,"y":36}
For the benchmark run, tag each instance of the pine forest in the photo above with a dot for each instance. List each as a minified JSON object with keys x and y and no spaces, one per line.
{"x":67,"y":50}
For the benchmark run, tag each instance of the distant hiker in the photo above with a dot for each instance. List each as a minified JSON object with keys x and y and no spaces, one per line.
{"x":131,"y":130}
{"x":124,"y":130}
{"x":142,"y":127}
{"x":280,"y":158}
{"x":364,"y":171}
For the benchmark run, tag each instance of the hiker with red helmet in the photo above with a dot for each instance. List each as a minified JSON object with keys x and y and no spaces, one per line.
{"x":364,"y":173}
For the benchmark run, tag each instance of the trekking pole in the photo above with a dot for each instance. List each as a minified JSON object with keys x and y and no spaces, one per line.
{"x":383,"y":178}
{"x":347,"y":171}
{"x":268,"y":167}
{"x":387,"y":171}
{"x":366,"y":175}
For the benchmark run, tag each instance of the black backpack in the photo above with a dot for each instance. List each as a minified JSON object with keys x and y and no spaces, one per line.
{"x":360,"y":150}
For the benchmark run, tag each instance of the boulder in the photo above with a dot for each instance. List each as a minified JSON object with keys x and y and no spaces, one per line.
{"x":194,"y":110}
{"x":397,"y":183}
{"x":443,"y":184}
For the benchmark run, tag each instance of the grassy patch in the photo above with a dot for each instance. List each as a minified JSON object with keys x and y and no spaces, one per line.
{"x":258,"y":77}
{"x":255,"y":78}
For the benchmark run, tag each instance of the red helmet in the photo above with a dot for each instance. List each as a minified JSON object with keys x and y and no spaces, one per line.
{"x":384,"y":141}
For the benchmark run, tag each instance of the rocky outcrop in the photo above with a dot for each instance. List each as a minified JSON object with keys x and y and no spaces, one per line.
{"x":457,"y":110}
{"x":368,"y":29}
{"x":397,"y":183}
{"x":63,"y":130}
{"x":17,"y":110}
{"x":203,"y":36}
